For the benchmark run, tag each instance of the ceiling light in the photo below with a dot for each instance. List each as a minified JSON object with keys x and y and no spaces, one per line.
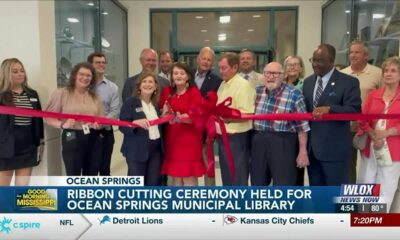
{"x":225,"y":19}
{"x":203,"y":30}
{"x":256,"y":16}
{"x":222,"y":37}
{"x":250,"y":30}
{"x":347,"y":11}
{"x":105,"y":13}
{"x":91,"y":4}
{"x":73,"y":20}
{"x":199,"y":17}
{"x":378,"y":15}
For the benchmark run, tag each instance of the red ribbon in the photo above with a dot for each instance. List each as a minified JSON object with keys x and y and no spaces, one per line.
{"x":83,"y":118}
{"x":324,"y":117}
{"x":207,"y":116}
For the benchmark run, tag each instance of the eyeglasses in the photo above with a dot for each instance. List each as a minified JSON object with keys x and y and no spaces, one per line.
{"x":290,"y":65}
{"x":274,"y":74}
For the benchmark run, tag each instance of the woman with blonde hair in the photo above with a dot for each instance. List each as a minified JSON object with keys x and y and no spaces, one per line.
{"x":381,"y":155}
{"x":294,"y":71}
{"x":21,"y":139}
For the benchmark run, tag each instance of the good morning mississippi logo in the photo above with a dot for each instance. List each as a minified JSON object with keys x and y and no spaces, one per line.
{"x":44,"y":199}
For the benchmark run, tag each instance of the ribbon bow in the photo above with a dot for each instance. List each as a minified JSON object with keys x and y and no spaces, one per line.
{"x":206,"y":117}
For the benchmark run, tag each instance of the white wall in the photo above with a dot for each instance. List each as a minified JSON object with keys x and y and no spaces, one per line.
{"x":309,"y":23}
{"x":28,"y":33}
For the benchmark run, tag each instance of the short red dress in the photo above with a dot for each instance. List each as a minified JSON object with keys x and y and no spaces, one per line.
{"x":183,"y":142}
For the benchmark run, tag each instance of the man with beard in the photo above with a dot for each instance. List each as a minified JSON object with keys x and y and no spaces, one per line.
{"x":278,"y":147}
{"x":247,"y":62}
{"x":165,"y":63}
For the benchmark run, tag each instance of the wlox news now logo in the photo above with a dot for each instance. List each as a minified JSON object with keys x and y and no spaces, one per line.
{"x":359,"y":193}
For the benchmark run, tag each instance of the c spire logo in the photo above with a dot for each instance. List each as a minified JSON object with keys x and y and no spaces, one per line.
{"x":5,"y":225}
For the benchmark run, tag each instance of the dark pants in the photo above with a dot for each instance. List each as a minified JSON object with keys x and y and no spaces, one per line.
{"x":273,"y":155}
{"x":239,"y":144}
{"x":327,"y":173}
{"x":150,"y":168}
{"x":108,"y":146}
{"x":81,"y":153}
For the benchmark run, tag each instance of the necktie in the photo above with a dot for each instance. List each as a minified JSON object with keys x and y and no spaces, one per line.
{"x":318,"y":93}
{"x":246,"y":77}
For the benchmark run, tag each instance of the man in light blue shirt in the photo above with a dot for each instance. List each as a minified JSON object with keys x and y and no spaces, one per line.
{"x":108,"y":94}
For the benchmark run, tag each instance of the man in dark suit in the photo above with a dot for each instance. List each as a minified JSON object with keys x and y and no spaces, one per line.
{"x":206,"y":80}
{"x":329,"y":143}
{"x":148,"y":60}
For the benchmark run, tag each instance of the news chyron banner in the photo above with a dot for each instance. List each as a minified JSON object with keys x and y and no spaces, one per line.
{"x":122,"y":208}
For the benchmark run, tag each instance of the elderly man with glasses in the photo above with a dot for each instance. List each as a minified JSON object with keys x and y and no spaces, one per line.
{"x":278,"y":148}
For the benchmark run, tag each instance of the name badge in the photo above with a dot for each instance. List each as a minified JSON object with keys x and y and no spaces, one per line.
{"x":139,"y":109}
{"x":86,"y":129}
{"x":33,"y":99}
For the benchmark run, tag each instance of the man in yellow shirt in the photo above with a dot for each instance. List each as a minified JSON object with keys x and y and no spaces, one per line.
{"x":243,"y":98}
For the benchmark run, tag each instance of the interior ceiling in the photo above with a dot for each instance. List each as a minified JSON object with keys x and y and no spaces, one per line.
{"x":244,"y":28}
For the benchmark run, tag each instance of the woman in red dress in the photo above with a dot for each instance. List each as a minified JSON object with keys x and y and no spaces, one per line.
{"x":183,"y":142}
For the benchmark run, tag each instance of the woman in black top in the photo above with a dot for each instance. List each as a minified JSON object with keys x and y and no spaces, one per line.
{"x":21,"y":139}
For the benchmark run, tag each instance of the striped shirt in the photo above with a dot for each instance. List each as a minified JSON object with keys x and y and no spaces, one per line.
{"x":21,"y":100}
{"x":285,"y":99}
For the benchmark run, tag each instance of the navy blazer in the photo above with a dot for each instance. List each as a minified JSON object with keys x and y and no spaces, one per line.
{"x":7,"y":138}
{"x":135,"y":145}
{"x":331,"y":140}
{"x":211,"y":83}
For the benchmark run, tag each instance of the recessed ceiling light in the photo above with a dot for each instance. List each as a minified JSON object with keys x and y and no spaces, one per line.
{"x":250,"y":30}
{"x":73,"y":20}
{"x":256,"y":16}
{"x":105,"y":13}
{"x":203,"y":30}
{"x":225,"y":19}
{"x":378,"y":15}
{"x":199,"y":17}
{"x":91,"y":4}
{"x":222,"y":37}
{"x":347,"y":11}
